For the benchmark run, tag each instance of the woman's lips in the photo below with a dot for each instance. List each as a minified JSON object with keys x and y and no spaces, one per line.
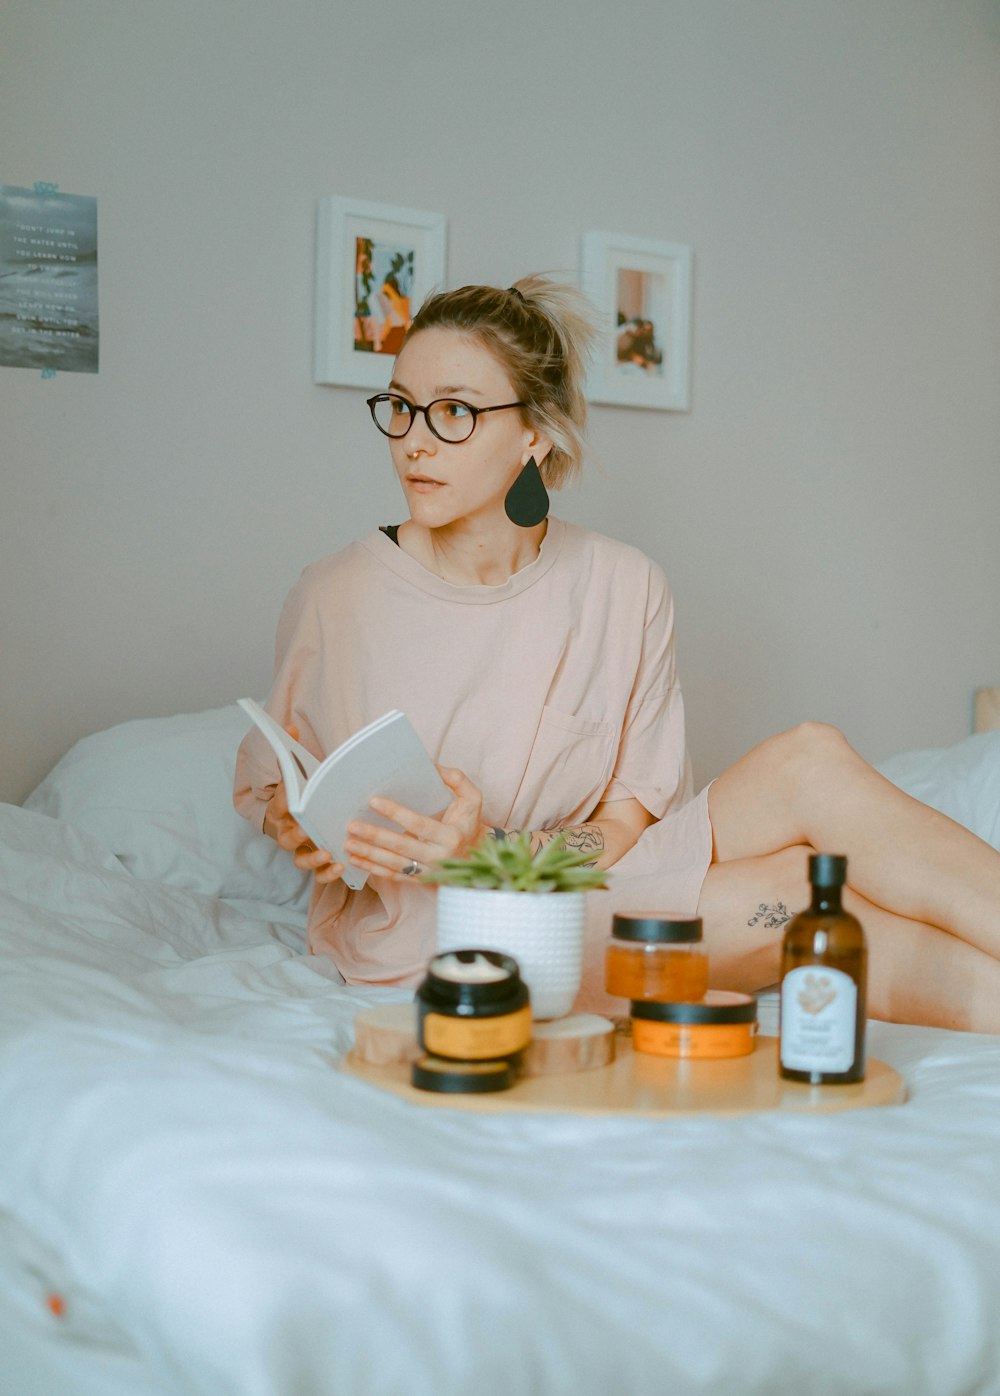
{"x":423,"y":483}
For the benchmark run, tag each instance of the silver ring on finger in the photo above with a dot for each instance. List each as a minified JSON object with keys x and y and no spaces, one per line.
{"x":408,"y":869}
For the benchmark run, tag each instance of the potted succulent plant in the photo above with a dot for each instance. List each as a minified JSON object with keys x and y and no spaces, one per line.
{"x":499,"y":897}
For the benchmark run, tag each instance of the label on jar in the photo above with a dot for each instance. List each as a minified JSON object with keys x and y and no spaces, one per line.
{"x":819,"y":1008}
{"x":474,"y":1039}
{"x":695,"y":1040}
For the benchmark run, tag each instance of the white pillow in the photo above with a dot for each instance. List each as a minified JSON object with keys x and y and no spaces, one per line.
{"x":962,"y":781}
{"x":157,"y":792}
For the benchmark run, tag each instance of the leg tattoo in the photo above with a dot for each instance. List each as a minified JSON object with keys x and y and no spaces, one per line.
{"x":772,"y":916}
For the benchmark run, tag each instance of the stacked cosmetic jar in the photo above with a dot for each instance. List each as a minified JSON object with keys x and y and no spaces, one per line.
{"x":473,"y":1023}
{"x":659,"y":963}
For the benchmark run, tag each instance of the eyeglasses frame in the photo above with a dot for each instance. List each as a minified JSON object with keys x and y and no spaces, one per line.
{"x":415,"y":407}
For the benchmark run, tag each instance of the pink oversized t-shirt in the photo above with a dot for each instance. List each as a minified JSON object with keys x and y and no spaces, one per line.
{"x":552,"y":692}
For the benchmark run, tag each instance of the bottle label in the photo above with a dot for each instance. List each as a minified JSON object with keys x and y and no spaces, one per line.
{"x":819,"y":1008}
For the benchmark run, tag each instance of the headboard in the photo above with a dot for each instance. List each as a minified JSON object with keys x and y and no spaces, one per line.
{"x":986,"y":710}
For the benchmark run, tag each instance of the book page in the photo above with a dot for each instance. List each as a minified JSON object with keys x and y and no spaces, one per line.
{"x":295,"y":762}
{"x":387,"y":758}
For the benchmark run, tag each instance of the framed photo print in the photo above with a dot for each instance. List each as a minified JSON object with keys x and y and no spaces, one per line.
{"x":643,"y":290}
{"x":375,"y":264}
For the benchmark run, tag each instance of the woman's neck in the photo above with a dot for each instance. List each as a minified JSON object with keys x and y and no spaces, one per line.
{"x":467,"y":555}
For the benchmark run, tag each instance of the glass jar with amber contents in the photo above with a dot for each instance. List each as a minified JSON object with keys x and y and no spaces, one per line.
{"x":656,"y":956}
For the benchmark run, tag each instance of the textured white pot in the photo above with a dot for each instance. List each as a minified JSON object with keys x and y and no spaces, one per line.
{"x":542,"y":930}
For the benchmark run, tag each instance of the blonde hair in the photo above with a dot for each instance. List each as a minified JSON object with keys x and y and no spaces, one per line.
{"x":541,"y":331}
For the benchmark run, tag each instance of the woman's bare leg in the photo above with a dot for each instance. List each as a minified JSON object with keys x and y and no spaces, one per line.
{"x":916,"y":973}
{"x":809,"y":786}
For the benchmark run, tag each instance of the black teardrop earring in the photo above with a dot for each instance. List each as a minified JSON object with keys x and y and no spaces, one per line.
{"x":527,"y":500}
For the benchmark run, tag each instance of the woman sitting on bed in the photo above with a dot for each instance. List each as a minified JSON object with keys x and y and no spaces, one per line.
{"x":536,"y":661}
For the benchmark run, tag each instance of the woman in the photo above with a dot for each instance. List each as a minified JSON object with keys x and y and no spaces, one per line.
{"x":536,"y":660}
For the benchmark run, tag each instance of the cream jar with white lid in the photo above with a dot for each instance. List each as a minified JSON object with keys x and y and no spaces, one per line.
{"x":473,"y":1006}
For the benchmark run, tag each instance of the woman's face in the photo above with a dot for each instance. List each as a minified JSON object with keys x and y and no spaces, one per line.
{"x":449,"y":482}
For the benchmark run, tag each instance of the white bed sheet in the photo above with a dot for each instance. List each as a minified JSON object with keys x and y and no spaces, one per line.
{"x":223,"y":1211}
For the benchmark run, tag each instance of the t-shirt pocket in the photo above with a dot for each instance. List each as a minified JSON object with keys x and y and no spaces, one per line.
{"x":567,"y":771}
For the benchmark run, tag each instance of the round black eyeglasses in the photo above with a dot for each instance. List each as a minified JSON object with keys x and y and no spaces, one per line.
{"x":449,"y":418}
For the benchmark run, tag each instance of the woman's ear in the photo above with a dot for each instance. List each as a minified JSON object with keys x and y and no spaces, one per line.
{"x":539,"y":446}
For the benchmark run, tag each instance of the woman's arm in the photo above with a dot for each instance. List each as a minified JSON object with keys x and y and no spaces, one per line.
{"x":421,"y":839}
{"x":608,"y":834}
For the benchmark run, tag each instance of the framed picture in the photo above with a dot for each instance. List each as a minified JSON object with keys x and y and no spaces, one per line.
{"x":643,"y":290}
{"x":375,"y":264}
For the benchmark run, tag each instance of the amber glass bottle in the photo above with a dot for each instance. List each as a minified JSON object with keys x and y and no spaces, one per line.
{"x":824,"y":966}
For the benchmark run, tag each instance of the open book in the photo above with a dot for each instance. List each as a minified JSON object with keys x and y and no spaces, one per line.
{"x":385,"y":758}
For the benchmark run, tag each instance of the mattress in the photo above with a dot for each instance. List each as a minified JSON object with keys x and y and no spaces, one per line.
{"x":195,"y":1198}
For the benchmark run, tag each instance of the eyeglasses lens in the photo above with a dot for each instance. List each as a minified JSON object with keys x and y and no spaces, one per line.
{"x":453,"y":421}
{"x":392,"y":415}
{"x":450,"y":420}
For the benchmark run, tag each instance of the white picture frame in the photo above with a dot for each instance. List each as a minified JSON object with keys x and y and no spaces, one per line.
{"x":361,"y":315}
{"x":642,"y":289}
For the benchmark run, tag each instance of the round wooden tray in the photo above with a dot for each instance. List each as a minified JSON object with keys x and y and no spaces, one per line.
{"x":637,"y":1083}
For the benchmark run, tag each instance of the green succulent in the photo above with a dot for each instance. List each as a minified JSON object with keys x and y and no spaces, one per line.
{"x":508,"y":865}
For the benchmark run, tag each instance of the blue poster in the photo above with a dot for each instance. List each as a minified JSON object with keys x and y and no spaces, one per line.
{"x":48,"y":281}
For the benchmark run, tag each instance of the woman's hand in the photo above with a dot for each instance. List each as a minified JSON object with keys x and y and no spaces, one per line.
{"x":290,"y":835}
{"x":420,"y":839}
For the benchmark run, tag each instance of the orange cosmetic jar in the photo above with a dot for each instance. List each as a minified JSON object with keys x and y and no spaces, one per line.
{"x":722,"y":1024}
{"x":656,"y":956}
{"x":473,"y":1007}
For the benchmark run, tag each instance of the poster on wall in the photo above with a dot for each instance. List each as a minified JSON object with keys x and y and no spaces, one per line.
{"x":375,"y":264}
{"x":643,"y":289}
{"x":48,"y":281}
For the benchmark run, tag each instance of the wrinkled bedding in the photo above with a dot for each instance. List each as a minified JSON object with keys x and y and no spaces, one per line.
{"x":218,"y":1209}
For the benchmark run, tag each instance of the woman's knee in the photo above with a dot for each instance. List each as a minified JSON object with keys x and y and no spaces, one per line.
{"x":809,"y":748}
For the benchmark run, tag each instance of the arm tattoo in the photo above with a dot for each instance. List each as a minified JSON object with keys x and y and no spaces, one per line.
{"x":585,"y":838}
{"x":772,"y":916}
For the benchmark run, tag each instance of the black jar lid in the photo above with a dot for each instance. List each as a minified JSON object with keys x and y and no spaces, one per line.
{"x":462,"y":1078}
{"x":473,"y":997}
{"x":656,"y":928}
{"x":718,"y":1006}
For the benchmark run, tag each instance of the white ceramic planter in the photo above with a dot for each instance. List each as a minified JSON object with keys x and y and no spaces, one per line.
{"x":542,"y":930}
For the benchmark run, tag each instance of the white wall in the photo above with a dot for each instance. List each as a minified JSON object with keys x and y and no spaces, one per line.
{"x":828,"y":510}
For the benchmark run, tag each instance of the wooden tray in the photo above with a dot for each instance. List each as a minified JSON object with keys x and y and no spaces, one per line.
{"x":637,"y":1083}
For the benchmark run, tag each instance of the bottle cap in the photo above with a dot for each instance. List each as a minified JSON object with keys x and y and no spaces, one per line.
{"x":656,"y":928}
{"x":827,"y":869}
